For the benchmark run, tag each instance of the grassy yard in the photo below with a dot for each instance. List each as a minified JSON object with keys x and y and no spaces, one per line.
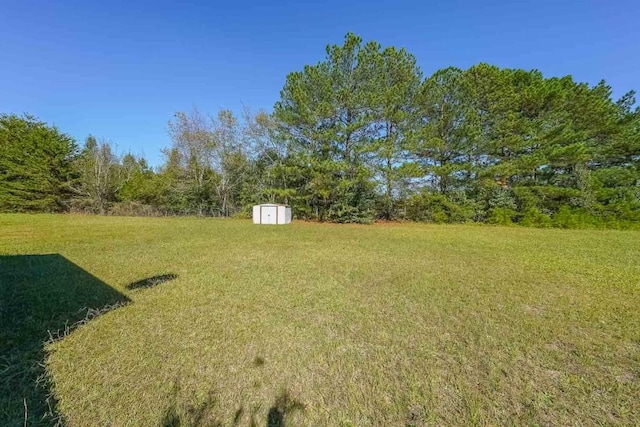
{"x":220,"y":322}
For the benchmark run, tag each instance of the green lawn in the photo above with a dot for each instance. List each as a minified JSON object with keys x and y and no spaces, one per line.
{"x":312,"y":324}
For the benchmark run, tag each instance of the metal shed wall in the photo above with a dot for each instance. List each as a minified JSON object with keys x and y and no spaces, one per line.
{"x":271,"y":214}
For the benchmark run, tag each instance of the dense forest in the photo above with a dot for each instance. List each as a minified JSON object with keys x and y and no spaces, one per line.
{"x":361,"y":135}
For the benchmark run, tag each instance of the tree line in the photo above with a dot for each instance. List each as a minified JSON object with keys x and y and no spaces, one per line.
{"x":359,"y":136}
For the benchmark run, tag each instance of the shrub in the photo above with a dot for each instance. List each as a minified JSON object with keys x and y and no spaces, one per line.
{"x":429,"y":207}
{"x":344,"y":213}
{"x":245,"y":213}
{"x":133,"y":209}
{"x":534,"y":218}
{"x":501,"y":216}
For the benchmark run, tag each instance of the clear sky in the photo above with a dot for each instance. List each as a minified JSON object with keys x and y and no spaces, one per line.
{"x":120,"y":69}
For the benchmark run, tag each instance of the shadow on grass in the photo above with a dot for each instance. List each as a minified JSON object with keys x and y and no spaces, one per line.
{"x":283,"y":406}
{"x":42,"y":298}
{"x":204,"y":414}
{"x":151,"y":282}
{"x":179,"y":415}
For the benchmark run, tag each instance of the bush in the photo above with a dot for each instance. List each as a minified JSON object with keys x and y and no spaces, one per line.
{"x":534,"y":218}
{"x":429,"y":207}
{"x":567,"y":217}
{"x":82,"y":205}
{"x":244,"y":213}
{"x":344,"y":213}
{"x":491,"y":196}
{"x":501,"y":216}
{"x":133,"y":209}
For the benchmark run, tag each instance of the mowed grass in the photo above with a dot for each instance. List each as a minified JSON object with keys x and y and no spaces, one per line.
{"x":314,"y":324}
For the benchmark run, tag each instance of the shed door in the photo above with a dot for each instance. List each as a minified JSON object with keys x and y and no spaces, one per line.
{"x":268,"y":215}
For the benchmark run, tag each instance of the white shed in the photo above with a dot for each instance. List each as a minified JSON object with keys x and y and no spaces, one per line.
{"x":269,"y":213}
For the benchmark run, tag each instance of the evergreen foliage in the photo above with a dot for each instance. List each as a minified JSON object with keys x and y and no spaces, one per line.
{"x":359,"y":136}
{"x":36,"y":169}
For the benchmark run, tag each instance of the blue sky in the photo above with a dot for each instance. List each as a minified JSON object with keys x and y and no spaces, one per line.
{"x":119,"y":70}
